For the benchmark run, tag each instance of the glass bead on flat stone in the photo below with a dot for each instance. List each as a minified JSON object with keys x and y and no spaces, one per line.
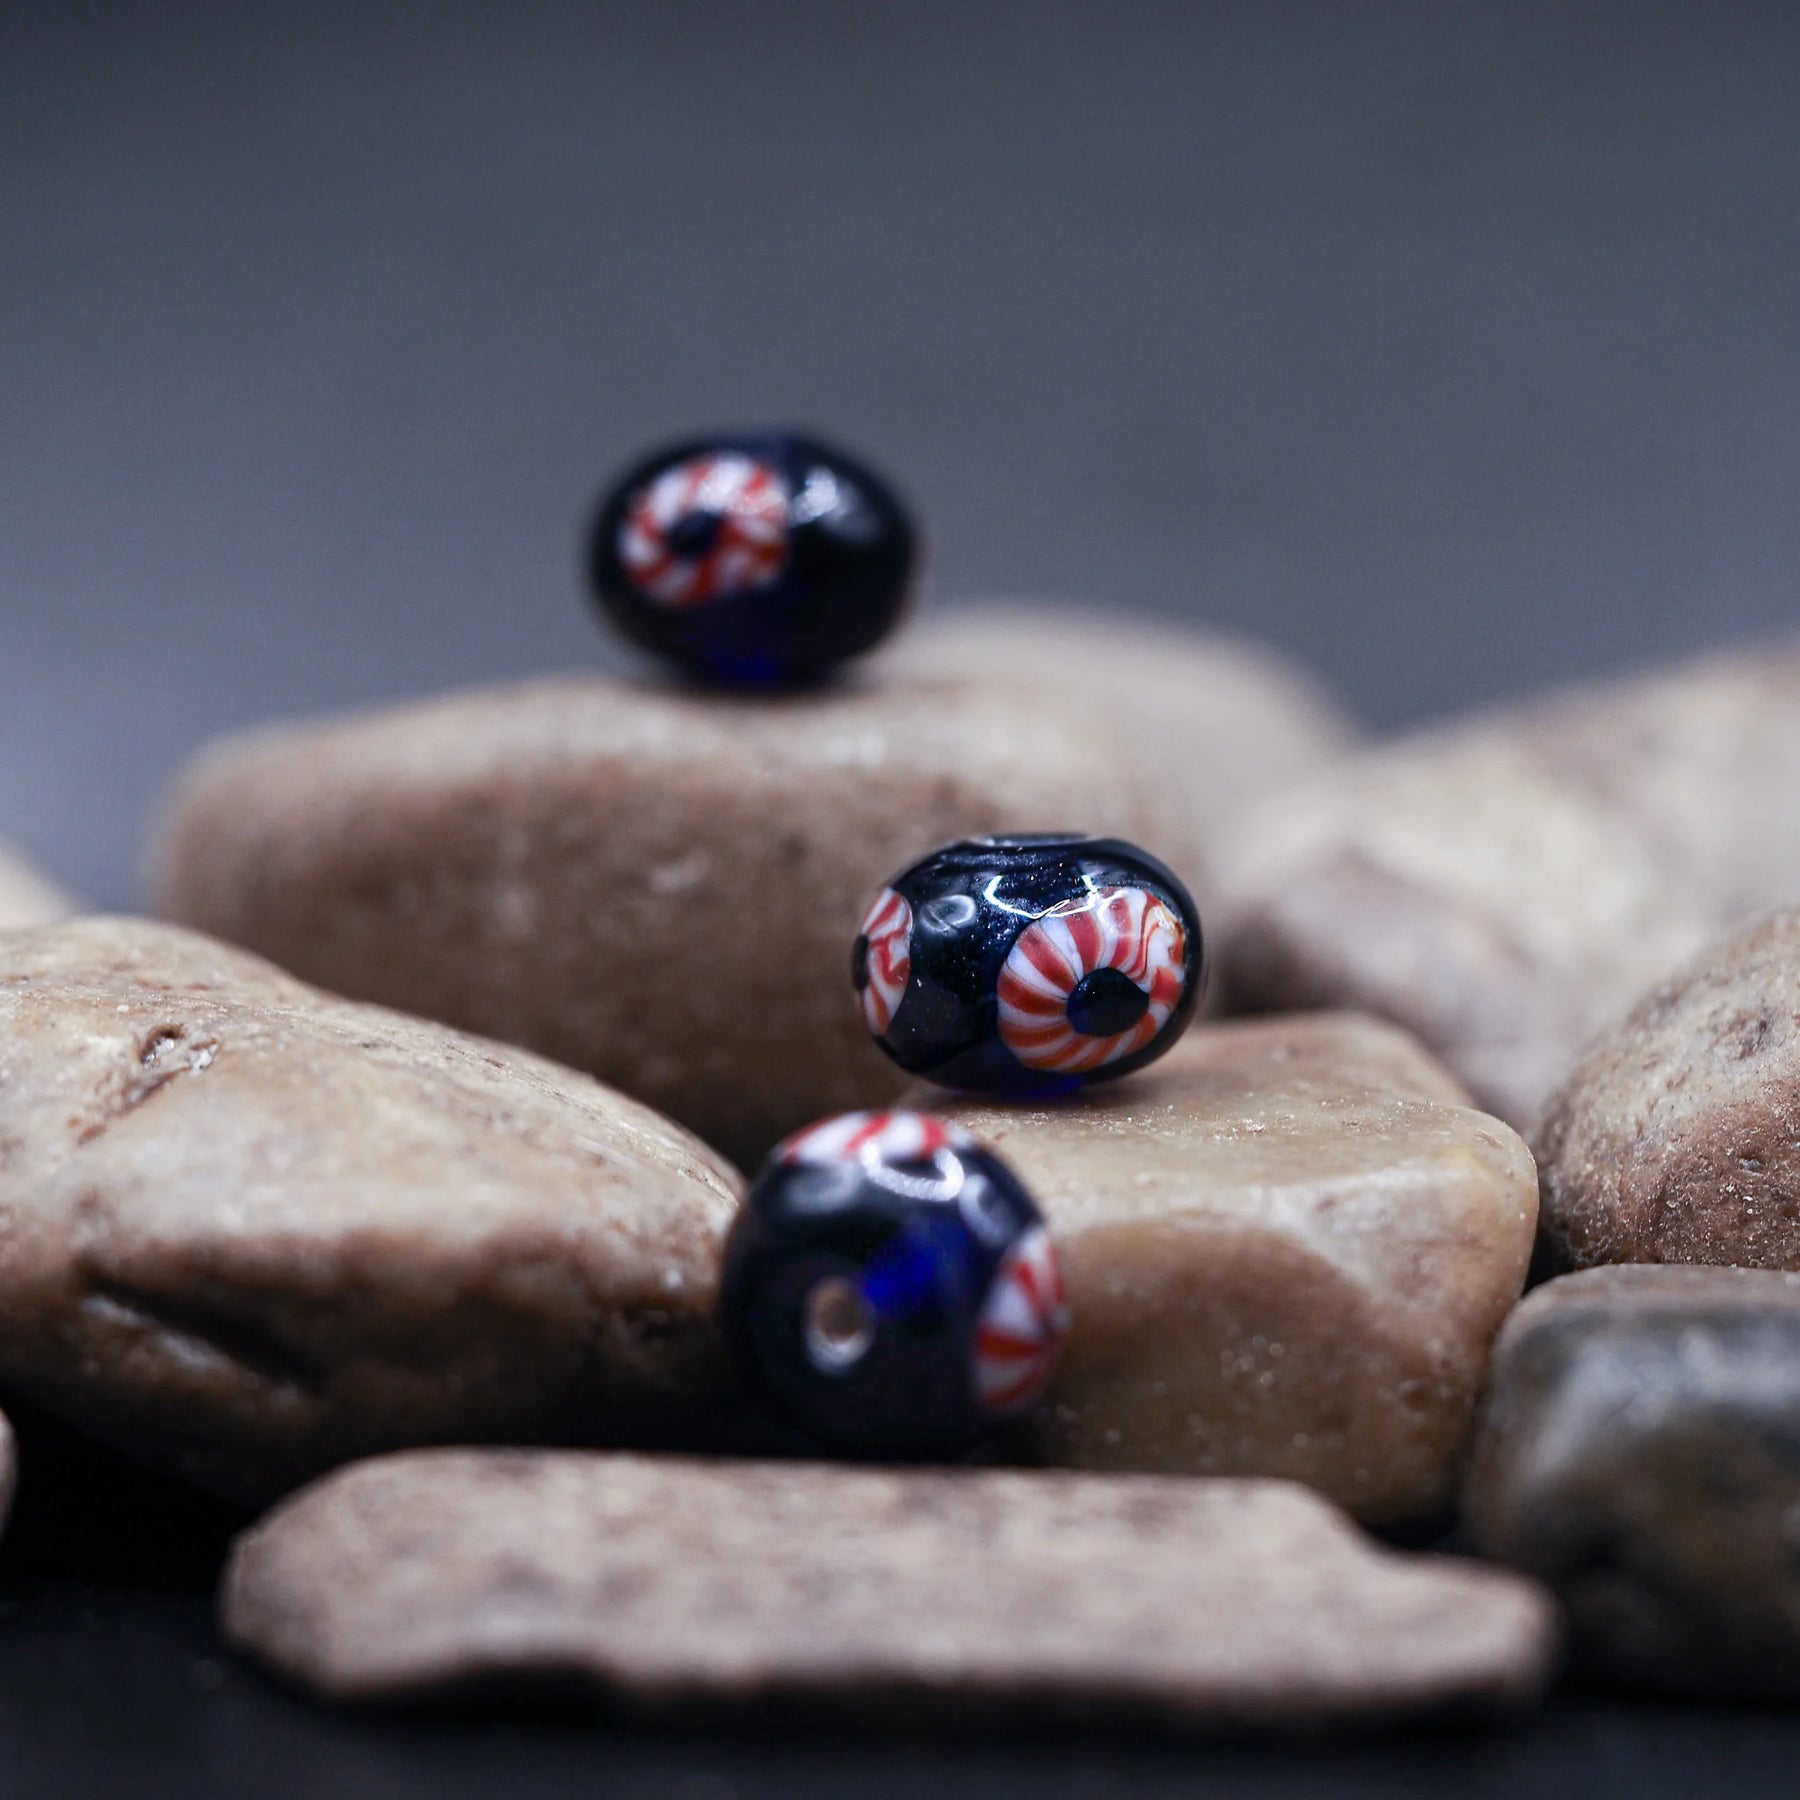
{"x":653,"y":883}
{"x":1029,"y":964}
{"x":889,"y":1287}
{"x":759,"y":559}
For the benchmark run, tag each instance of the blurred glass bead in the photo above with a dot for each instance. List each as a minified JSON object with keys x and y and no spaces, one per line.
{"x":752,"y":560}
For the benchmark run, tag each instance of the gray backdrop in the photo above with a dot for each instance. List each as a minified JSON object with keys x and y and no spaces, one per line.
{"x":1453,"y":348}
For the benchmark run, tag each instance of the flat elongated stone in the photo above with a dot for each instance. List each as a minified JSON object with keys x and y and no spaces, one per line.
{"x":1288,"y":1246}
{"x":1676,"y":1137}
{"x":665,"y":1582}
{"x":1640,"y":1452}
{"x":1216,"y":722}
{"x":658,"y":886}
{"x":248,"y":1231}
{"x":26,"y":897}
{"x":1506,"y":886}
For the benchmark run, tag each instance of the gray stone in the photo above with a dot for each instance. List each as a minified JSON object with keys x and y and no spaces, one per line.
{"x":657,"y":885}
{"x":1640,"y":1453}
{"x":1676,"y":1138}
{"x":1506,"y":886}
{"x":1288,"y":1246}
{"x":662,"y":1583}
{"x":248,"y":1231}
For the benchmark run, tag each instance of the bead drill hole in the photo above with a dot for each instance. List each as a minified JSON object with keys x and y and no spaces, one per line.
{"x":694,"y":534}
{"x":838,"y":1325}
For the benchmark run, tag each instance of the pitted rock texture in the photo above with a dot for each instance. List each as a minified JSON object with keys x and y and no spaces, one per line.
{"x":1640,"y":1453}
{"x":1507,"y":886}
{"x":26,"y":897}
{"x":656,"y":885}
{"x":1288,"y":1246}
{"x":664,"y":1583}
{"x":1676,"y":1138}
{"x":248,"y":1231}
{"x":1215,"y":722}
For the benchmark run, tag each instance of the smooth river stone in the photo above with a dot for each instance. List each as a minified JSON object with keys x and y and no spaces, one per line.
{"x":1507,"y":886}
{"x":655,"y":885}
{"x":26,"y":897}
{"x":1640,"y":1452}
{"x":1288,"y":1246}
{"x":1676,"y":1138}
{"x":1215,"y":721}
{"x":248,"y":1231}
{"x":662,"y":1583}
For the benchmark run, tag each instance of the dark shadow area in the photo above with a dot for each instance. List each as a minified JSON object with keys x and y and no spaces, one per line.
{"x":89,"y":1516}
{"x":134,"y":1694}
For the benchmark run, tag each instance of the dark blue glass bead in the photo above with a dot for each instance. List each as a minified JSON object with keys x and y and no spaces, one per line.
{"x":752,"y":560}
{"x":1029,"y":965}
{"x":889,"y":1286}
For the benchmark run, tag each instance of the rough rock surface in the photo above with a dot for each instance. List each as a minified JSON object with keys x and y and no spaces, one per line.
{"x":248,"y":1231}
{"x":1676,"y":1138}
{"x":1506,"y":886}
{"x":660,"y":1581}
{"x":656,"y":885}
{"x":1288,"y":1246}
{"x":1216,"y":721}
{"x":26,"y":897}
{"x":1640,"y":1452}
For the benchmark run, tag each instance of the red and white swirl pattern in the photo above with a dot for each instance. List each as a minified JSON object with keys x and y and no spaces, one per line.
{"x":1122,"y":928}
{"x":750,"y":501}
{"x":874,"y":1137}
{"x":888,"y":927}
{"x":1024,"y":1320}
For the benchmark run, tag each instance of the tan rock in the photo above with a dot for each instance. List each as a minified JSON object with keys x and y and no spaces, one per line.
{"x":1640,"y":1451}
{"x":1287,"y":1246}
{"x":1676,"y":1138}
{"x":1506,"y":886}
{"x":26,"y":897}
{"x":1215,"y":721}
{"x":658,"y":886}
{"x":248,"y":1231}
{"x":663,"y":1582}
